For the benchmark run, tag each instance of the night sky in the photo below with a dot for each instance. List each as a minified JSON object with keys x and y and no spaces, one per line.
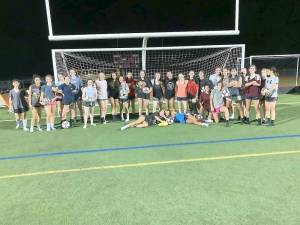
{"x":267,"y":27}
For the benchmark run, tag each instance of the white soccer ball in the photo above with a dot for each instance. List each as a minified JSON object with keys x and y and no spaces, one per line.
{"x":226,"y":92}
{"x":146,"y":90}
{"x":265,"y":92}
{"x":170,"y":120}
{"x":65,"y":125}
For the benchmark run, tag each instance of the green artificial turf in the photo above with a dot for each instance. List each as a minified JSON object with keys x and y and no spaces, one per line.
{"x":255,"y":190}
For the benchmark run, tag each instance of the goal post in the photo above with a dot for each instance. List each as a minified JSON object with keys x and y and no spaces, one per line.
{"x":89,"y":62}
{"x":66,"y":37}
{"x":287,"y":65}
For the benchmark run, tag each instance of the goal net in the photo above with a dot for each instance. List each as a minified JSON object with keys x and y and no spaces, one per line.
{"x":286,"y":65}
{"x":89,"y":62}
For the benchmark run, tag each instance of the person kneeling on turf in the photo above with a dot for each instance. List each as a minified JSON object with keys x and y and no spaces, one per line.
{"x":146,"y":121}
{"x":217,"y":104}
{"x":184,"y":118}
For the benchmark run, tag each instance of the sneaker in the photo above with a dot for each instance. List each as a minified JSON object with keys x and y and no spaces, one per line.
{"x":122,"y":118}
{"x":48,"y":129}
{"x":104,"y":122}
{"x":124,"y":127}
{"x":93,"y":124}
{"x":127,"y":120}
{"x":231,"y":117}
{"x":39,"y":129}
{"x":204,"y":125}
{"x":31,"y":129}
{"x":53,"y":128}
{"x":25,"y":129}
{"x":84,"y":127}
{"x":208,"y":121}
{"x":17,"y":126}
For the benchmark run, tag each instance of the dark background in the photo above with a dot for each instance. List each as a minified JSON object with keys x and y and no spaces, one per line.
{"x":267,"y":27}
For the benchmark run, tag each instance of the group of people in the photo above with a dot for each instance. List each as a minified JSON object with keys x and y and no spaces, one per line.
{"x":200,"y":99}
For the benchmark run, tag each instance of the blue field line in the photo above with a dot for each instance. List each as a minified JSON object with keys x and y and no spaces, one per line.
{"x":140,"y":147}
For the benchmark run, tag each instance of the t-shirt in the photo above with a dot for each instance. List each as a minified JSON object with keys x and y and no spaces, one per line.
{"x":123,"y":91}
{"x":113,"y":88}
{"x":68,"y":93}
{"x":101,"y":86}
{"x":217,"y":98}
{"x":270,"y":81}
{"x":77,"y":82}
{"x":35,"y":95}
{"x":18,"y":99}
{"x":48,"y":92}
{"x":142,"y":84}
{"x":252,"y":91}
{"x":131,"y":84}
{"x":170,"y":85}
{"x":89,"y":93}
{"x":213,"y":79}
{"x":205,"y":100}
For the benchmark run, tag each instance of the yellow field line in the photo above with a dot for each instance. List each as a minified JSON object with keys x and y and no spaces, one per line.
{"x":49,"y":172}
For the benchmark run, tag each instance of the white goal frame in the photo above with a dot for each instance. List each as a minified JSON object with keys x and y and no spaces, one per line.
{"x":297,"y":56}
{"x":53,"y":37}
{"x":144,"y":50}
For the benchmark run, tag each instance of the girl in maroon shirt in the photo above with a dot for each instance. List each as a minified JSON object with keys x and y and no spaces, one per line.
{"x":252,"y":93}
{"x":131,"y":95}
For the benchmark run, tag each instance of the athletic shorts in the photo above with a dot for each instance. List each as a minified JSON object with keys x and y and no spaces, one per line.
{"x":131,"y":97}
{"x":20,"y":110}
{"x":271,"y":99}
{"x":169,"y":95}
{"x":252,"y":97}
{"x":143,"y":96}
{"x":158,"y":99}
{"x":114,"y":95}
{"x":88,"y":103}
{"x":236,"y":98}
{"x":217,"y":110}
{"x":150,"y":120}
{"x":78,"y":96}
{"x":180,"y":99}
{"x":123,"y":100}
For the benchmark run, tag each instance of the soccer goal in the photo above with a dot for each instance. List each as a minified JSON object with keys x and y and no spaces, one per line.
{"x":286,"y":65}
{"x":89,"y":62}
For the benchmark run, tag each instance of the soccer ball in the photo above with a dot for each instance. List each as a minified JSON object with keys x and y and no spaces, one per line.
{"x":170,"y":120}
{"x":65,"y":125}
{"x":265,"y":92}
{"x":146,"y":90}
{"x":226,"y":93}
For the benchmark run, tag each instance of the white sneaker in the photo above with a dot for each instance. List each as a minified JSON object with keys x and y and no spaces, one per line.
{"x":104,"y":122}
{"x":208,"y":121}
{"x":124,"y":127}
{"x":48,"y":129}
{"x":31,"y":129}
{"x":18,"y":126}
{"x":93,"y":124}
{"x":84,"y":127}
{"x":204,"y":124}
{"x":53,"y":128}
{"x":231,"y":117}
{"x":127,"y":120}
{"x":39,"y":129}
{"x":25,"y":129}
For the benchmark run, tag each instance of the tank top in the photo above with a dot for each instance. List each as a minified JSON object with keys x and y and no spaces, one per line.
{"x":181,"y":89}
{"x":101,"y":86}
{"x":157,"y":89}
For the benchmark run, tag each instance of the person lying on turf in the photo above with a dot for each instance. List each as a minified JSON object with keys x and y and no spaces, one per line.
{"x":183,"y":118}
{"x":146,"y":121}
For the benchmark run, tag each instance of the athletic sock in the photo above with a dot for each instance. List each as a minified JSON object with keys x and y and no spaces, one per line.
{"x":24,"y":122}
{"x":227,"y":123}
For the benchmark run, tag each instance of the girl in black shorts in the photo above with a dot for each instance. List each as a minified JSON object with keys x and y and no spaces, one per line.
{"x":146,"y":121}
{"x":34,"y":102}
{"x":144,"y":88}
{"x":113,"y":94}
{"x":170,"y":84}
{"x":158,"y":93}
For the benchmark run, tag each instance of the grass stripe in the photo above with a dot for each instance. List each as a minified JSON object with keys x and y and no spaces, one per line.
{"x":143,"y":147}
{"x":145,"y":164}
